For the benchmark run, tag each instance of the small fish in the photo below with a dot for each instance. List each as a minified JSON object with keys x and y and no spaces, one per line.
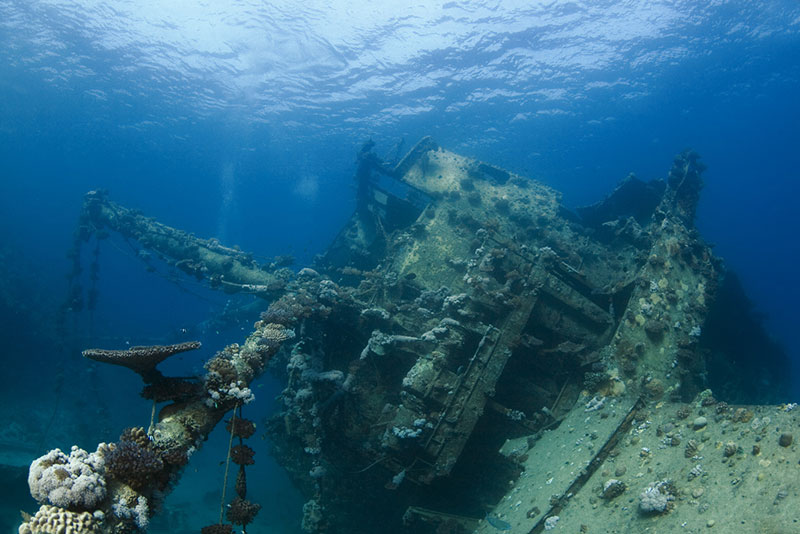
{"x":498,"y":523}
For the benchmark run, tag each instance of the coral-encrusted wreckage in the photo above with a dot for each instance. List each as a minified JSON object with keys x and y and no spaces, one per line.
{"x":460,"y":321}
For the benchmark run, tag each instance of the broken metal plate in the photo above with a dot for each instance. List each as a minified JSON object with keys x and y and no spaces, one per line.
{"x":556,"y":466}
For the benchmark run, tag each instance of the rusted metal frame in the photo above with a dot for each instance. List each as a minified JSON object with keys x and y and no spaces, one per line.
{"x":444,"y":415}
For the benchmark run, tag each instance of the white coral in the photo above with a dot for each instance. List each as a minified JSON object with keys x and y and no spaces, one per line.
{"x":243,"y":394}
{"x":596,"y":403}
{"x":140,"y":513}
{"x":74,"y":482}
{"x":236,"y":390}
{"x":404,"y":432}
{"x":551,"y":522}
{"x":655,"y":498}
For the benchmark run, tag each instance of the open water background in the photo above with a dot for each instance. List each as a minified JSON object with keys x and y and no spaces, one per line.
{"x":241,"y":120}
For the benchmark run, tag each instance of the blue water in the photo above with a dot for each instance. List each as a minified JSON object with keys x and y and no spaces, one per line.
{"x":241,"y":121}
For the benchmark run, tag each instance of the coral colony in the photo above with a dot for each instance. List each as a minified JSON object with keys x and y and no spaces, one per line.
{"x":120,"y":486}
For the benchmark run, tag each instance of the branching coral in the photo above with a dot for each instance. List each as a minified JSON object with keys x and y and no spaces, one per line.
{"x":241,"y":428}
{"x":135,"y":461}
{"x":276,"y":333}
{"x":288,"y":309}
{"x":221,"y":369}
{"x":243,"y":455}
{"x":139,"y":512}
{"x":283,"y":312}
{"x":242,"y":511}
{"x":234,"y":392}
{"x":226,"y":379}
{"x":175,"y":456}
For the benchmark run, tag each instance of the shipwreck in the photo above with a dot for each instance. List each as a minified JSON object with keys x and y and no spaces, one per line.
{"x":468,"y":355}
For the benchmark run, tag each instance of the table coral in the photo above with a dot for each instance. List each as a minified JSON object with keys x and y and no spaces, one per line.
{"x":142,"y":360}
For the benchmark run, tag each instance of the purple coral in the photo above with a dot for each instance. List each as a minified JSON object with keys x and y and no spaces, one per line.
{"x":241,"y":511}
{"x":133,"y":463}
{"x":242,"y":455}
{"x":241,"y":428}
{"x":284,"y":312}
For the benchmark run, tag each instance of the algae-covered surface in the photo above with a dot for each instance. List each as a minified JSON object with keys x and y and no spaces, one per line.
{"x":731,"y":475}
{"x":716,"y":468}
{"x":557,"y":462}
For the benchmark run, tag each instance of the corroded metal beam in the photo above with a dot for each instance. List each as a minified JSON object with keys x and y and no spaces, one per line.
{"x":222,"y":267}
